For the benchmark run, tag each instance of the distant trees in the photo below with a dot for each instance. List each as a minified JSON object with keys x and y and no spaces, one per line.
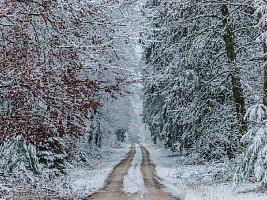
{"x":196,"y":81}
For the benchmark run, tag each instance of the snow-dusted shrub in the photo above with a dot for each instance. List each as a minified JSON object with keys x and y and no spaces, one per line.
{"x":18,"y":156}
{"x":52,"y":155}
{"x":252,"y":162}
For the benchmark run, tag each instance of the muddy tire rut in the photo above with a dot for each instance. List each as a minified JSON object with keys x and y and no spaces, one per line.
{"x":113,"y":189}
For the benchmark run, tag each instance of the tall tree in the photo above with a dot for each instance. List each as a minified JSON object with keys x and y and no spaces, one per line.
{"x":197,"y":54}
{"x":237,"y":88}
{"x":252,"y":161}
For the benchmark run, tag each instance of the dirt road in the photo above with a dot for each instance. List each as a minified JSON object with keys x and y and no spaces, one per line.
{"x":153,"y":186}
{"x":113,"y":190}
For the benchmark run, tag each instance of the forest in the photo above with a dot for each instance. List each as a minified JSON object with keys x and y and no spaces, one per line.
{"x":82,"y":80}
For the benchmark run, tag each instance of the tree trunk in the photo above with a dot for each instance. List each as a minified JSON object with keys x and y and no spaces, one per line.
{"x":237,"y":89}
{"x":265,"y":75}
{"x":98,"y":137}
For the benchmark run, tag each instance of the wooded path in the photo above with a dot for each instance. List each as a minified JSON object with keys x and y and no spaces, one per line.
{"x":113,"y":189}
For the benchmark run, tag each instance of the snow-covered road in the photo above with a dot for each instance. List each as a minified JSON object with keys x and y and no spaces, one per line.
{"x":143,"y":175}
{"x":139,"y":183}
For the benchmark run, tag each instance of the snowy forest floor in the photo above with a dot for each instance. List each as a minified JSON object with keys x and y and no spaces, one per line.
{"x":190,"y":181}
{"x":179,"y":175}
{"x":80,"y":180}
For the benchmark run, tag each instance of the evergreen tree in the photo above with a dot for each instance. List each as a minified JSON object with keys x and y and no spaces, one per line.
{"x":252,"y":163}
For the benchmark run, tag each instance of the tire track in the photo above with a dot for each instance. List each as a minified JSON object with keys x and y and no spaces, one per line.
{"x":154,"y":188}
{"x":113,"y":189}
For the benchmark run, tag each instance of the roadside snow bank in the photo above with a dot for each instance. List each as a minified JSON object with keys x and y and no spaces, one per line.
{"x":224,"y":191}
{"x":187,"y":181}
{"x":83,"y":181}
{"x":80,"y":181}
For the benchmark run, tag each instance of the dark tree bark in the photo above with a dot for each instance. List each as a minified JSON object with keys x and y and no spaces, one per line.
{"x":237,"y":89}
{"x":265,"y":75}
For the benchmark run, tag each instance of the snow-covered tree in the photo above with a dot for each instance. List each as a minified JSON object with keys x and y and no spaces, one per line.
{"x":252,"y":163}
{"x":261,"y":13}
{"x":197,"y":87}
{"x":58,"y":61}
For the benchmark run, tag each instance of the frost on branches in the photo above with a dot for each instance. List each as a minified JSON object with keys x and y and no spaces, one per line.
{"x":52,"y":54}
{"x":199,"y":61}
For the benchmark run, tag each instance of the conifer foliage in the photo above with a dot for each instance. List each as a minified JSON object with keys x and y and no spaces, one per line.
{"x":253,"y":161}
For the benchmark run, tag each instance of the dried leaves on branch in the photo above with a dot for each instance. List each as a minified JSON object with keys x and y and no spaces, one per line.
{"x":51,"y":56}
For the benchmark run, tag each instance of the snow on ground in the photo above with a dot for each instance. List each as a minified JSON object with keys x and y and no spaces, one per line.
{"x":80,"y":181}
{"x":84,"y":181}
{"x":190,"y":181}
{"x":133,"y":181}
{"x":224,"y":191}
